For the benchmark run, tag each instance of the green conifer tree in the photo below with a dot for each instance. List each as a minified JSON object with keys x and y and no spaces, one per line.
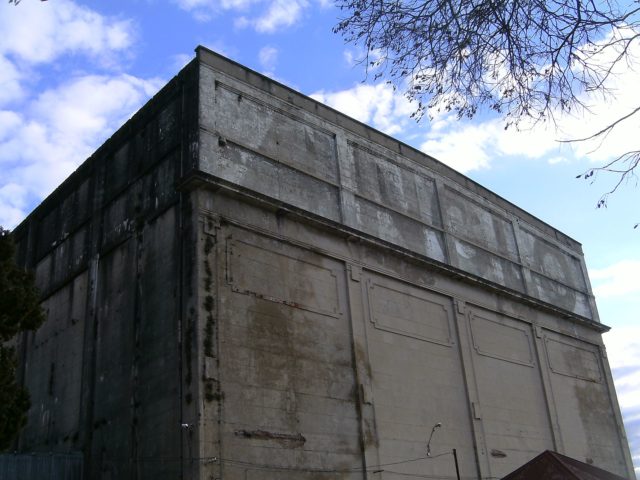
{"x":19,"y":310}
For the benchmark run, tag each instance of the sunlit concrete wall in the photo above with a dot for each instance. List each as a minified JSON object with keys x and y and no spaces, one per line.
{"x":245,"y":284}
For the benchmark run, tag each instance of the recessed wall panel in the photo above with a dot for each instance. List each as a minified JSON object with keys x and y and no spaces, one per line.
{"x":485,"y":264}
{"x":477,"y":224}
{"x":551,"y":261}
{"x":512,"y":410}
{"x":560,"y":295}
{"x":409,"y":313}
{"x":271,"y":131}
{"x":281,"y":278}
{"x":416,"y":378}
{"x":401,"y":230}
{"x":286,"y":362}
{"x":397,"y":187}
{"x":573,"y":361}
{"x":53,"y":374}
{"x":252,"y":170}
{"x":494,"y":337}
{"x":582,"y":399}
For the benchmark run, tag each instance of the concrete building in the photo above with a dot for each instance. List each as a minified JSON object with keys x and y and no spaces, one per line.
{"x":242,"y":283}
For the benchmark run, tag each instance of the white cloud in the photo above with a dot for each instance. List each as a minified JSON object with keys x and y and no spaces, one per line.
{"x":350,"y":57}
{"x":194,"y":4}
{"x":623,"y":350}
{"x":279,"y":14}
{"x":265,"y":16}
{"x":60,"y":27}
{"x":237,"y":4}
{"x":461,"y":145}
{"x":541,"y":140}
{"x":44,"y":137}
{"x":469,"y":146}
{"x":356,"y":55}
{"x":10,"y":82}
{"x":37,"y":33}
{"x":268,"y":57}
{"x":63,"y":127}
{"x":12,"y":204}
{"x":8,"y":121}
{"x":465,"y":149}
{"x":557,"y":159}
{"x":378,"y":105}
{"x":622,"y":98}
{"x":621,"y":278}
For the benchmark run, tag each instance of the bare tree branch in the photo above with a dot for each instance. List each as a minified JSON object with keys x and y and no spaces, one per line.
{"x":606,"y":129}
{"x":528,"y":60}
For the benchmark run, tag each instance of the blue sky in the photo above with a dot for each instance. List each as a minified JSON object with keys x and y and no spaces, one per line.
{"x":72,"y":72}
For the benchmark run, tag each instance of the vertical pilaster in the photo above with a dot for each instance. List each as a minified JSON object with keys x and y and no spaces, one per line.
{"x":525,"y":262}
{"x":347,"y":179}
{"x":368,"y":430}
{"x":447,"y":244}
{"x":208,"y":397}
{"x":190,"y":334}
{"x":89,"y":354}
{"x":461,"y":314}
{"x":544,"y":369}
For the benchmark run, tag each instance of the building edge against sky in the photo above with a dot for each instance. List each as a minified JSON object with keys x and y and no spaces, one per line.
{"x":248,"y":278}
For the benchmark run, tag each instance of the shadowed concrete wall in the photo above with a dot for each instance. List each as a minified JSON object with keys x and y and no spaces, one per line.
{"x":104,"y":369}
{"x":245,"y":284}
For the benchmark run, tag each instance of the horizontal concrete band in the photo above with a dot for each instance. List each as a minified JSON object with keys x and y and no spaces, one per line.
{"x":266,"y":138}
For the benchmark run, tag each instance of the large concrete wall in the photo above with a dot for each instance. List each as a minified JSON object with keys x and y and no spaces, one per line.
{"x":259,"y":135}
{"x":454,"y":305}
{"x":107,"y":249}
{"x":245,"y":284}
{"x":332,"y":355}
